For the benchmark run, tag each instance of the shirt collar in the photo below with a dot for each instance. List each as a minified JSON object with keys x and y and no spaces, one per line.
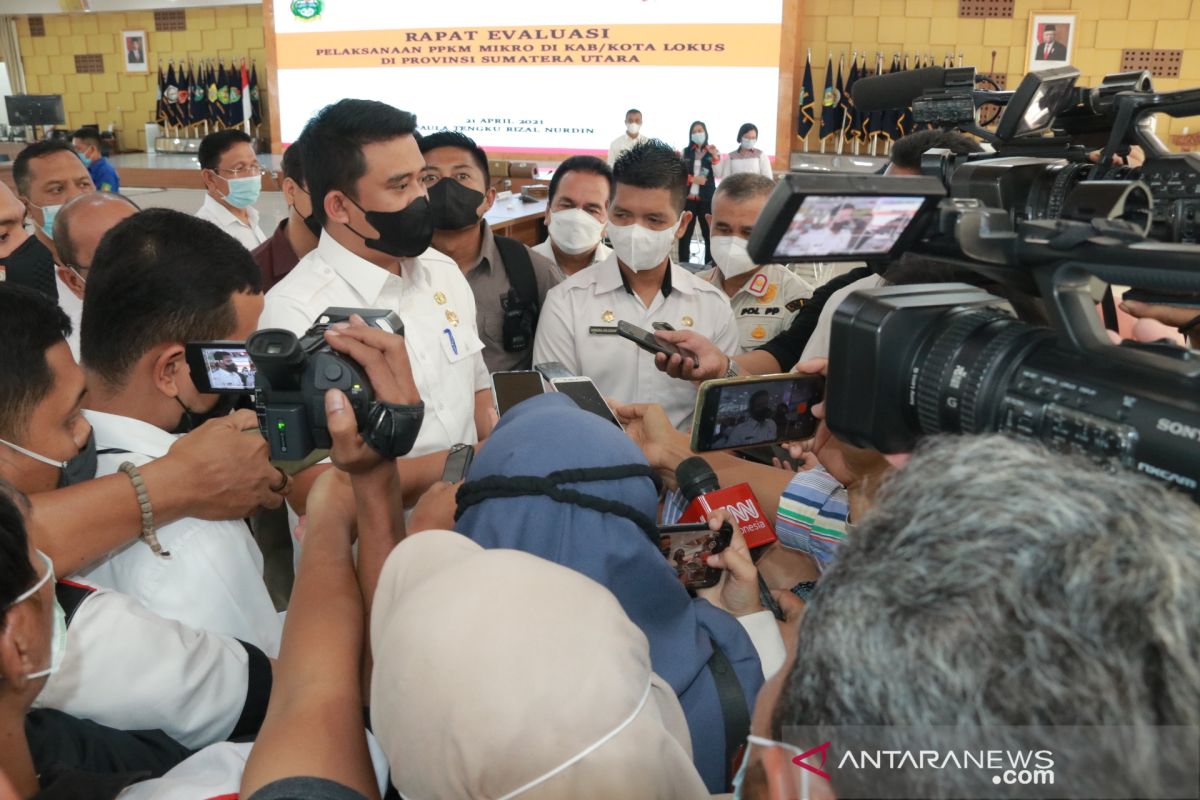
{"x":489,"y":256}
{"x":114,"y":431}
{"x":226,"y":216}
{"x":364,"y":277}
{"x":610,"y":278}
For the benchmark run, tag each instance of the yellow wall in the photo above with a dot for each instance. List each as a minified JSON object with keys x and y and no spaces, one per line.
{"x":933,"y":26}
{"x":127,"y":99}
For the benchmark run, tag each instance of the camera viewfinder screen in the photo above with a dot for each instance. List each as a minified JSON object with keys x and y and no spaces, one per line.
{"x":854,"y":225}
{"x":1046,"y":102}
{"x":228,"y":369}
{"x":752,"y":414}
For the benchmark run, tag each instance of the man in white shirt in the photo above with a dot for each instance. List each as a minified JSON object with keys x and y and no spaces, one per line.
{"x":576,"y":213}
{"x":631,"y":136}
{"x":159,"y":280}
{"x":640,"y":284}
{"x":78,"y":229}
{"x":233,"y":179}
{"x":765,"y":298}
{"x":758,"y":427}
{"x":363,"y":170}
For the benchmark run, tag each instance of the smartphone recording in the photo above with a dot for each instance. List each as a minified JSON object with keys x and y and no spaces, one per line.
{"x":220,"y":367}
{"x":687,"y":548}
{"x":748,"y":412}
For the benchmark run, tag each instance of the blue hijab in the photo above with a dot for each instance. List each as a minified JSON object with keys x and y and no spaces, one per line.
{"x":596,"y":523}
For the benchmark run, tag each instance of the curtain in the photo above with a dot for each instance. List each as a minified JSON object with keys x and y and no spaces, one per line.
{"x":11,"y":53}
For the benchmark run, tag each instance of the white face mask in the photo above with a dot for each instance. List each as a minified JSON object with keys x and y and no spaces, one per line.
{"x":748,"y":144}
{"x":575,"y":231}
{"x":58,"y":638}
{"x":633,"y":128}
{"x":640,"y":248}
{"x":730,"y":254}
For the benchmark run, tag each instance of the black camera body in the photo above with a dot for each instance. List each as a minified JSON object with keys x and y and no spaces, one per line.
{"x":906,"y":361}
{"x":293,"y":373}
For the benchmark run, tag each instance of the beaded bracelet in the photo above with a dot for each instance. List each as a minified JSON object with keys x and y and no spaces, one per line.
{"x":143,"y":498}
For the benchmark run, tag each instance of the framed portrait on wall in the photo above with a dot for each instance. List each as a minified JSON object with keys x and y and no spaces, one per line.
{"x":1051,"y":39}
{"x":133,"y":46}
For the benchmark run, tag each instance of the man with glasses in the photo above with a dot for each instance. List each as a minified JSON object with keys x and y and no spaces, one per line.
{"x":233,"y":178}
{"x":78,"y":229}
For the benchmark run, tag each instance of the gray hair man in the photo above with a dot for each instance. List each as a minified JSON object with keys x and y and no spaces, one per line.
{"x":995,"y":584}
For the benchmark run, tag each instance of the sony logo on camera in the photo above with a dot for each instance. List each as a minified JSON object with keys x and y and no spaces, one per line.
{"x":1178,"y":429}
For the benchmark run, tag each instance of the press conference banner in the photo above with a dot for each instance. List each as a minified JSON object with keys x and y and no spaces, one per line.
{"x":539,"y":75}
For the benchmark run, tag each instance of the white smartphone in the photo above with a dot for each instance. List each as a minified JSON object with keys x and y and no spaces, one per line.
{"x":510,"y":388}
{"x":586,"y":396}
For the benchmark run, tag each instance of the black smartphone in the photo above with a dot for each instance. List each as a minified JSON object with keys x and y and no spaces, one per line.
{"x":651,"y":343}
{"x":687,"y":548}
{"x":221,"y":367}
{"x":510,"y":388}
{"x":759,"y":410}
{"x":458,"y":461}
{"x":586,"y":396}
{"x":1161,"y":298}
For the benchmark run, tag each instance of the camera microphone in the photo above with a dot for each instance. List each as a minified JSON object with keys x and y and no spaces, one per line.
{"x":699,"y":485}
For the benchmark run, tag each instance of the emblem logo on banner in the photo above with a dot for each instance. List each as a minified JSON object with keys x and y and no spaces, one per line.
{"x":307,"y":10}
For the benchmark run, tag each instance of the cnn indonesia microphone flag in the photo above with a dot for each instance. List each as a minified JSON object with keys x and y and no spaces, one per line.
{"x":247,"y":107}
{"x":807,"y":102}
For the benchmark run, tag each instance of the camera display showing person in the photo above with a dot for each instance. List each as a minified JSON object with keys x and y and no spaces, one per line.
{"x":757,"y":426}
{"x":161,"y":279}
{"x":508,"y":279}
{"x":224,"y":374}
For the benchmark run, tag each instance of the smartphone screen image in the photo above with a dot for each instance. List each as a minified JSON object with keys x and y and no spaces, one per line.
{"x":586,"y":396}
{"x":688,"y":551}
{"x":510,"y":388}
{"x":748,"y":412}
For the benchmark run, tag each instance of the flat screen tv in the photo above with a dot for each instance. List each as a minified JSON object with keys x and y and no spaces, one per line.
{"x":35,"y":109}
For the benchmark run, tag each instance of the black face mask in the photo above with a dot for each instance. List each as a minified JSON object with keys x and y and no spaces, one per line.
{"x":190,"y":420}
{"x":82,"y":467}
{"x":313,"y":226}
{"x":454,"y":206}
{"x":32,"y":266}
{"x":404,"y":233}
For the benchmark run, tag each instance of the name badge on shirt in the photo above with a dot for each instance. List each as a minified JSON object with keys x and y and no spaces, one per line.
{"x":603,"y":330}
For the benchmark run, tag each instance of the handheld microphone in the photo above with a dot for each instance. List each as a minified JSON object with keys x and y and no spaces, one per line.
{"x":699,"y":485}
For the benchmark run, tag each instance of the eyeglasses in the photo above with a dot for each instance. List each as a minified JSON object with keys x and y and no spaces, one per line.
{"x":32,"y":590}
{"x":242,"y":172}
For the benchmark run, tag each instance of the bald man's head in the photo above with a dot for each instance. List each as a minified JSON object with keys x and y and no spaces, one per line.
{"x":82,"y":223}
{"x":12,"y":221}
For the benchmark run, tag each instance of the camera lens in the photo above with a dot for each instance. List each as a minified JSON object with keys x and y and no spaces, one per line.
{"x":963,"y":370}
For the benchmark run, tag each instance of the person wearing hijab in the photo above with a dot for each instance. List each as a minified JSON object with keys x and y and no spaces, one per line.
{"x":566,"y":485}
{"x":467,"y":702}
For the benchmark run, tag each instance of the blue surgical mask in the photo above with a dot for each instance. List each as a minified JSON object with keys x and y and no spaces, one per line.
{"x":87,"y":162}
{"x":698,"y":138}
{"x":243,"y":192}
{"x":748,"y":144}
{"x":48,"y":215}
{"x":58,"y":636}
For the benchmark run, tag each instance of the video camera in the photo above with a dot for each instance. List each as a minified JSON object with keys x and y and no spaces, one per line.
{"x":906,"y":361}
{"x":289,"y":376}
{"x":1052,"y":138}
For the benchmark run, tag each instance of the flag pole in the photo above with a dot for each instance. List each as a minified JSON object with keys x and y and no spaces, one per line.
{"x":841,"y":145}
{"x":808,"y":70}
